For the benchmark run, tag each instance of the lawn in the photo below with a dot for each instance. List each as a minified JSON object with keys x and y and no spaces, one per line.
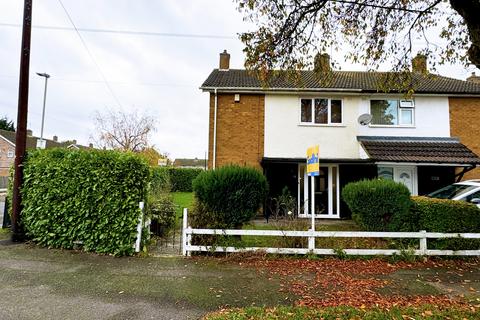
{"x":182,"y":200}
{"x":340,"y":313}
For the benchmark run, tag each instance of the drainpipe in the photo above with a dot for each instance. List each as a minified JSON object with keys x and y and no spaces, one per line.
{"x":214,"y":160}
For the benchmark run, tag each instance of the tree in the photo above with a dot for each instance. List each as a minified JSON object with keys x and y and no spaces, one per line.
{"x":6,"y":124}
{"x":152,"y":156}
{"x":123,"y":131}
{"x":376,"y":31}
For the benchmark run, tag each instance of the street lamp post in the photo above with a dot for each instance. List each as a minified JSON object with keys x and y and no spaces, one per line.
{"x":41,"y":143}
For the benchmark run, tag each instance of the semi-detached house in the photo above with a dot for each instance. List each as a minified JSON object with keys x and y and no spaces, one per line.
{"x":426,"y":141}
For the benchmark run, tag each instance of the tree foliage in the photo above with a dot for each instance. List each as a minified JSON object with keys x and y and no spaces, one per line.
{"x":6,"y":124}
{"x":124,"y":131}
{"x":371,"y":32}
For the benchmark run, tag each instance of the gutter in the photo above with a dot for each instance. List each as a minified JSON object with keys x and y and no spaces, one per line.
{"x":334,"y":90}
{"x":214,"y":150}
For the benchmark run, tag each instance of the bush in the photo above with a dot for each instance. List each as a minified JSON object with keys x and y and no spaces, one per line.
{"x":448,"y":216}
{"x":161,"y":209}
{"x":376,"y":203}
{"x":160,"y":182}
{"x":83,"y":196}
{"x":231,"y":195}
{"x":182,"y":178}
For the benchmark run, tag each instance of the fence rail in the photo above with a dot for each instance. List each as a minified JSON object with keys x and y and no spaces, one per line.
{"x":422,"y":236}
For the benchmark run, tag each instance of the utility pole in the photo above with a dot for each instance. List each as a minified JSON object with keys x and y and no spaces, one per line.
{"x":22,"y":112}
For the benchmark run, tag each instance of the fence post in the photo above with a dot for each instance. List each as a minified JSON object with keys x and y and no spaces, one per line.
{"x":311,"y":241}
{"x":139,"y":228}
{"x":423,"y":242}
{"x":184,"y":231}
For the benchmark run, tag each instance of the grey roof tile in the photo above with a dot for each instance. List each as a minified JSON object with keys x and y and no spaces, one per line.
{"x":340,"y":80}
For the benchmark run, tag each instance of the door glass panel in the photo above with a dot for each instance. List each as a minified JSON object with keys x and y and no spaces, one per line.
{"x":385,"y":173}
{"x":321,"y":192}
{"x":334,"y":190}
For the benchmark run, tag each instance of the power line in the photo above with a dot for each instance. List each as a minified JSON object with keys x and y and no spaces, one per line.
{"x":129,"y":32}
{"x":152,"y":84}
{"x":91,"y":55}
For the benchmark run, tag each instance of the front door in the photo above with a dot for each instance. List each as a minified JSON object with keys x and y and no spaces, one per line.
{"x":326,"y":194}
{"x":406,"y":176}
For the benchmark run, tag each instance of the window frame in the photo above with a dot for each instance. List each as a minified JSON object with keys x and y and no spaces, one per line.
{"x":329,"y":122}
{"x":399,"y":113}
{"x":10,"y":154}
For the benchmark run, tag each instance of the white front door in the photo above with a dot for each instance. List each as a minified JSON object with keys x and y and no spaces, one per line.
{"x":406,"y":175}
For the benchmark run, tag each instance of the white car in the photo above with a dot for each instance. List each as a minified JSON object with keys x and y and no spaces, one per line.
{"x":463,"y":191}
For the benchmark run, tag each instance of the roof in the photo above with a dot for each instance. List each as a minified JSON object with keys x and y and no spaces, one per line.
{"x":353,"y":81}
{"x":32,"y":141}
{"x":418,"y":150}
{"x":189,"y":163}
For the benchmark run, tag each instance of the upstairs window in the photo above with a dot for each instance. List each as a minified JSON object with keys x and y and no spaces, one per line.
{"x":392,"y":112}
{"x":321,"y":111}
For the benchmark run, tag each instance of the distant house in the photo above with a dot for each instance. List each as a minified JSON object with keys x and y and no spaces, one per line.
{"x":7,"y":150}
{"x":190,"y":163}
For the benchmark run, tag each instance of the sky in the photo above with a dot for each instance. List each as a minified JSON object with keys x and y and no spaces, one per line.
{"x":156,"y":75}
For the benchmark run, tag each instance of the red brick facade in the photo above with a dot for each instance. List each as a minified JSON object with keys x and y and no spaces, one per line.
{"x":240,"y":130}
{"x":465,"y":124}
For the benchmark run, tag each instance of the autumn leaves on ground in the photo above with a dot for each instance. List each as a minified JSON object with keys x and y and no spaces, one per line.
{"x":431,"y":288}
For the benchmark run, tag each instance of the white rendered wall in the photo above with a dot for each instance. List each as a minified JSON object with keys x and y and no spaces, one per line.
{"x":285,"y":137}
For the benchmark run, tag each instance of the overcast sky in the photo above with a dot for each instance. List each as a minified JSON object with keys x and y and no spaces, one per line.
{"x":159,"y":75}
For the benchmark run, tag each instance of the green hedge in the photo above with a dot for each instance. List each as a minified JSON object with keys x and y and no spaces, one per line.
{"x":88,"y":196}
{"x":448,"y":216}
{"x":160,"y":180}
{"x":230,"y":195}
{"x":182,"y":178}
{"x":176,"y":179}
{"x":375,"y":203}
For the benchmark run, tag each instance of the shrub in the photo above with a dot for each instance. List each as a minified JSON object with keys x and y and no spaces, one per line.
{"x":161,"y":209}
{"x":232,"y":194}
{"x":87,"y":196}
{"x":160,"y":182}
{"x":448,"y":216}
{"x":182,"y":178}
{"x":375,"y":203}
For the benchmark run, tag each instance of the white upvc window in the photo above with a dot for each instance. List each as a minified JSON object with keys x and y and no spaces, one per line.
{"x":10,"y":154}
{"x":392,"y":112}
{"x":321,"y":111}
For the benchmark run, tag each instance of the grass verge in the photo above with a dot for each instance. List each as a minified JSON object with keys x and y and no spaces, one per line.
{"x":182,"y":200}
{"x":294,"y":313}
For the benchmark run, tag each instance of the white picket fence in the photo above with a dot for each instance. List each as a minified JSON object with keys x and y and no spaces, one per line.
{"x":422,"y":236}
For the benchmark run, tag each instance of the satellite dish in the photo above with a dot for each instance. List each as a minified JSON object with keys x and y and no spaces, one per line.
{"x":365,"y":119}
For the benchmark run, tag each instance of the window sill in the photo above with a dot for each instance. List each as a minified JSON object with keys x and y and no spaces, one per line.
{"x":391,"y":126}
{"x":339,"y":125}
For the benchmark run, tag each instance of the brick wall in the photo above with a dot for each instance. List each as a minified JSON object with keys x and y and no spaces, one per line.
{"x":240,"y":130}
{"x":5,"y":161}
{"x":465,"y":124}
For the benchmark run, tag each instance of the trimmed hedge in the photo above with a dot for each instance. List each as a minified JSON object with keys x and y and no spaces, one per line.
{"x":87,"y":196}
{"x":448,"y":216}
{"x":182,"y":178}
{"x":176,"y":179}
{"x":230,"y":195}
{"x":375,"y":203}
{"x":160,"y":182}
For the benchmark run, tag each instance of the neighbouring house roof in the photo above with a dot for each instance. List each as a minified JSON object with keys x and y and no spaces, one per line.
{"x":32,"y":141}
{"x":200,"y":163}
{"x":418,"y":150}
{"x":353,"y":81}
